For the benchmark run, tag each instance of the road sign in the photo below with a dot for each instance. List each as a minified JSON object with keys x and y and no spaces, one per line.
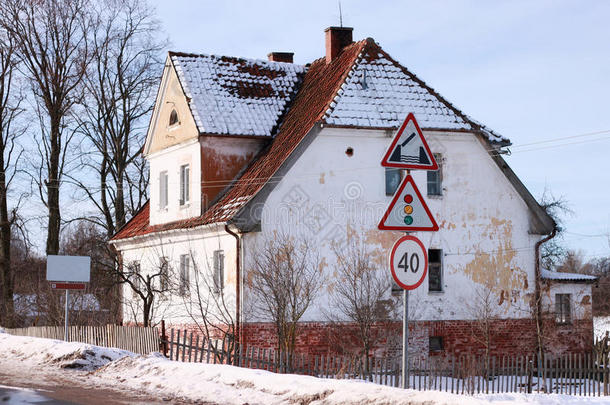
{"x":68,"y":286}
{"x":409,"y":262}
{"x":68,"y":268}
{"x":408,"y":211}
{"x":409,"y":149}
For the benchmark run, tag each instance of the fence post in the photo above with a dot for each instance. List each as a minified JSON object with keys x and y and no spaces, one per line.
{"x":163,"y":338}
{"x":530,"y":375}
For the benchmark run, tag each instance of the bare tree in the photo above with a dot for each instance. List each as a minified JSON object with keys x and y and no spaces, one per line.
{"x":483,"y":308}
{"x":10,"y":154}
{"x":361,"y":294}
{"x":150,"y":285}
{"x":553,"y":252}
{"x":285,"y":278}
{"x":51,"y":44}
{"x":120,"y":85}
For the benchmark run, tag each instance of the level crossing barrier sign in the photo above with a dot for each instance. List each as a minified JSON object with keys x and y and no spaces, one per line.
{"x":409,"y":149}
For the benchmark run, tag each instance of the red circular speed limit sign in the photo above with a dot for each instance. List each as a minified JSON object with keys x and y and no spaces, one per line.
{"x":409,"y":262}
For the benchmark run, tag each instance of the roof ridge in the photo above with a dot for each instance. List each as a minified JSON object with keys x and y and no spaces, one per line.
{"x":232,"y":58}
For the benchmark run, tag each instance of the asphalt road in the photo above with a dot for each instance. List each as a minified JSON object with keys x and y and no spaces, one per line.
{"x":54,"y":391}
{"x":14,"y":395}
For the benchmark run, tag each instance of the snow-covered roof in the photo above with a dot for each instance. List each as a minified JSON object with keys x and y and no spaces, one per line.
{"x":379,"y":92}
{"x":235,"y":96}
{"x":557,"y":276}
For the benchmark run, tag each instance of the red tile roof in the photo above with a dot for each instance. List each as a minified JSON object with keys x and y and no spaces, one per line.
{"x":320,"y":85}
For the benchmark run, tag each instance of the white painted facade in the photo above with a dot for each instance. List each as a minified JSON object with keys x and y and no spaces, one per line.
{"x":484,"y":227}
{"x":170,"y":160}
{"x":199,"y":244}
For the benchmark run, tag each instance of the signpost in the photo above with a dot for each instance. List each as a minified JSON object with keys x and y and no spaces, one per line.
{"x":68,"y":273}
{"x":408,"y":212}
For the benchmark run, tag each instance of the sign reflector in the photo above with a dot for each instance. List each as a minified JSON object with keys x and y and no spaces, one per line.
{"x":68,"y":286}
{"x":408,"y":211}
{"x":409,"y":149}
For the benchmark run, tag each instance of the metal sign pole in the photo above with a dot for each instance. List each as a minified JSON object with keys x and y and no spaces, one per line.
{"x":405,"y":339}
{"x":66,"y":316}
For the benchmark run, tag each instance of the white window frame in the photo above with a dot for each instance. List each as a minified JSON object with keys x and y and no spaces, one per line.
{"x":438,"y":180}
{"x":185,"y":174}
{"x":163,"y":273}
{"x":136,"y":271}
{"x":563,"y":309}
{"x":218,"y":261}
{"x":163,"y":190}
{"x":185,"y":273}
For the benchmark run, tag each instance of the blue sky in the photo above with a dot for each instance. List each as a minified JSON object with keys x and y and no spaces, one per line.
{"x":532,"y":71}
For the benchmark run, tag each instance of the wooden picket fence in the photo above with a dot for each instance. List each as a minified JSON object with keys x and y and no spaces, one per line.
{"x":572,"y":374}
{"x":135,"y":339}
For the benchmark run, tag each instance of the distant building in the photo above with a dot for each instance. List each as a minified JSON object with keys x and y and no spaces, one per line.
{"x":239,"y":149}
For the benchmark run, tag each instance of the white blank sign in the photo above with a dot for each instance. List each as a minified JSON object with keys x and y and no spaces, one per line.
{"x":68,"y":268}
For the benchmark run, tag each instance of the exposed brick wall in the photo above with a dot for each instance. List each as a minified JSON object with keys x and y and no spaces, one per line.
{"x":507,"y":337}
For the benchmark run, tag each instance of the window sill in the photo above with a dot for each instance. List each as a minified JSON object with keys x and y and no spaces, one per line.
{"x":441,"y":292}
{"x":185,"y":206}
{"x":435,"y":196}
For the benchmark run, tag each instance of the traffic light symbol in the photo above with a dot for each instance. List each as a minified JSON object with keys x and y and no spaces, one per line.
{"x":408,"y":209}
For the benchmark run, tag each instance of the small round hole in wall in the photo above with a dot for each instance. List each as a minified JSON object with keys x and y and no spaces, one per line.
{"x":349,"y":151}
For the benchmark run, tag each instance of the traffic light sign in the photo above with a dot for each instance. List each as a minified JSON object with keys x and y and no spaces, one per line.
{"x":408,"y":210}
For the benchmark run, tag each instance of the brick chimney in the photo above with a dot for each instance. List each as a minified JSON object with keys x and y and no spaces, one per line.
{"x":337,"y":38}
{"x":281,"y":57}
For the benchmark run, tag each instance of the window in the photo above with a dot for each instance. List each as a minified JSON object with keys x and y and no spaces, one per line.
{"x":184,"y":184}
{"x":435,"y":177}
{"x":163,"y":190}
{"x":173,"y":118}
{"x":435,"y":270}
{"x":435,"y":344}
{"x":163,"y":274}
{"x":135,"y":277}
{"x":392,"y":180}
{"x":562,"y":308}
{"x":219,"y":270}
{"x":185,"y":273}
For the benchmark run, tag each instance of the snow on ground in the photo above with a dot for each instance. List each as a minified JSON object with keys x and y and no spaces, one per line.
{"x":225,"y":384}
{"x":601,"y":324}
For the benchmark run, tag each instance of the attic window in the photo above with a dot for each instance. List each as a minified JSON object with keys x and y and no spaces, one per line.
{"x":173,"y":118}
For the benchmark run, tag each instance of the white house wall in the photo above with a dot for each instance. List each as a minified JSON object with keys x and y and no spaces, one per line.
{"x":170,"y":160}
{"x":483,"y":222}
{"x":199,"y":244}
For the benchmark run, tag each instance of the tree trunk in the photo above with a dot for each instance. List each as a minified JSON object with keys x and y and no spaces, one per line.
{"x":7,"y":309}
{"x":54,"y":224}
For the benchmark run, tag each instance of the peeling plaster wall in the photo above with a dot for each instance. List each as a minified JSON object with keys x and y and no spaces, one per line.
{"x":221,"y":159}
{"x":200,"y":245}
{"x":328,"y":195}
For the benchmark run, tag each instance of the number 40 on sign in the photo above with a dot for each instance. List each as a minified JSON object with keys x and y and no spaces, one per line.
{"x":409,"y":262}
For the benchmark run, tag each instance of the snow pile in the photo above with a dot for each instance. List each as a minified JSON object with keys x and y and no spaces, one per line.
{"x":154,"y":374}
{"x":37,"y":351}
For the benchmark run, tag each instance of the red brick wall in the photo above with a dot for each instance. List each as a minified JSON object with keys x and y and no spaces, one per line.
{"x":507,"y":337}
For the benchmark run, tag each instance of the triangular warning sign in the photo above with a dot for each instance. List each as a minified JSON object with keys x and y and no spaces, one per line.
{"x":409,"y":149}
{"x":408,"y":211}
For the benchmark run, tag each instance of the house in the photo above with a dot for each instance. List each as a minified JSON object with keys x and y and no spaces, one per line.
{"x":241,"y":150}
